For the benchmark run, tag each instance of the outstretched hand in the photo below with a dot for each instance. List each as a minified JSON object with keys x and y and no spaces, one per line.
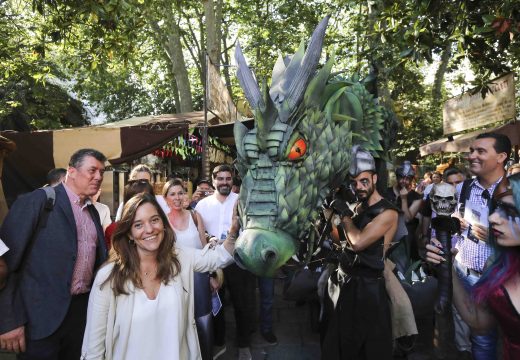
{"x":229,"y":243}
{"x":235,"y":224}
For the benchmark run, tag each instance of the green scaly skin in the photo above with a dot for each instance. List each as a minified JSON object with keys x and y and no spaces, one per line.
{"x":280,"y":198}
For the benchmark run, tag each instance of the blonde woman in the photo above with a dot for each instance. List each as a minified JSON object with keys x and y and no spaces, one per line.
{"x":189,"y":232}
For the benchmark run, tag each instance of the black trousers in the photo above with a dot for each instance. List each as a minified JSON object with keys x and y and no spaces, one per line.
{"x":203,"y":315}
{"x":241,"y":285}
{"x":359,"y":327}
{"x":65,"y":342}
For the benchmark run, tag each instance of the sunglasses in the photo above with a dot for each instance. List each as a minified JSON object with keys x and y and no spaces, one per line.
{"x":139,"y":181}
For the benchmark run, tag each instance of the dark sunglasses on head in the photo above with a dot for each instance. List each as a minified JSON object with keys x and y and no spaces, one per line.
{"x":139,"y":181}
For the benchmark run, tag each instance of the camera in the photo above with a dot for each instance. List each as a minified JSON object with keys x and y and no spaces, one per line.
{"x":206,"y":193}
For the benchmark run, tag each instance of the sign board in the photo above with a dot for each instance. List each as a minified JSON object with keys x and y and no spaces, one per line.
{"x":470,"y":111}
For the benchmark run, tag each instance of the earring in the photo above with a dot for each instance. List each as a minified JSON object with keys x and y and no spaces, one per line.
{"x":131,"y":242}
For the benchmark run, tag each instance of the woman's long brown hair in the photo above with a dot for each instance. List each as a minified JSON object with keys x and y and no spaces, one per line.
{"x":124,"y":254}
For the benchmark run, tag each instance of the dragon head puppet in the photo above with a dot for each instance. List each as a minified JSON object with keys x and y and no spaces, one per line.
{"x":305,"y":126}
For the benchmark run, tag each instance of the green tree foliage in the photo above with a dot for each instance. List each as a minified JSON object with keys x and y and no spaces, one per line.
{"x":28,"y":97}
{"x":136,"y":57}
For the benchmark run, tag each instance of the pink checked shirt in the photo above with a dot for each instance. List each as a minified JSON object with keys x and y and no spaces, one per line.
{"x":87,"y":241}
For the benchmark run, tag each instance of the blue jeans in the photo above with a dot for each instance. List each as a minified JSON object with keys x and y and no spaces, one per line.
{"x":266,"y":287}
{"x":483,"y":347}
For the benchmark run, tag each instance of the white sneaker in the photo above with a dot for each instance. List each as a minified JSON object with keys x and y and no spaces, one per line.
{"x":218,"y":351}
{"x":244,"y":354}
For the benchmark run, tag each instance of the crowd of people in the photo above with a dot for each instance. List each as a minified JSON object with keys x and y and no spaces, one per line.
{"x":150,"y":285}
{"x":146,"y":277}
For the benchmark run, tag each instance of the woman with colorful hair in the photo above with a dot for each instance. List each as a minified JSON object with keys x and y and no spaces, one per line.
{"x":495,"y":298}
{"x":141,"y":302}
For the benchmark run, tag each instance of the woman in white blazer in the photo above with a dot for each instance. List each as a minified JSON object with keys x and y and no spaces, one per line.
{"x":141,"y":303}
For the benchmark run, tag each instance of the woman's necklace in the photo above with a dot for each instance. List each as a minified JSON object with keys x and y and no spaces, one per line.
{"x":148,"y":273}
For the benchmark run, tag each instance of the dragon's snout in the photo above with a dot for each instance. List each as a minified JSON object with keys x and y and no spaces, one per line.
{"x":263,"y":251}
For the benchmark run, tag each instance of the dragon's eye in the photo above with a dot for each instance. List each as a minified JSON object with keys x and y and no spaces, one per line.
{"x":297,"y":150}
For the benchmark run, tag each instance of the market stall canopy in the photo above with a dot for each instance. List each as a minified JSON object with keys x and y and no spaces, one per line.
{"x":225,"y":131}
{"x":462,"y":142}
{"x":38,"y":152}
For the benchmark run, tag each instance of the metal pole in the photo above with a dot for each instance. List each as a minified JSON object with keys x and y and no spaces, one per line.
{"x":205,"y":147}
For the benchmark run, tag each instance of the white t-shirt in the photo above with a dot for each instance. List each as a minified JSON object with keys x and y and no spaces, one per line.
{"x":156,"y":326}
{"x":188,"y":237}
{"x":104,"y":214}
{"x":160,"y":200}
{"x":217,"y":216}
{"x":3,"y":248}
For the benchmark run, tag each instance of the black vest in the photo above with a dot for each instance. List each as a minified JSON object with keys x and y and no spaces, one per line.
{"x":371,"y":258}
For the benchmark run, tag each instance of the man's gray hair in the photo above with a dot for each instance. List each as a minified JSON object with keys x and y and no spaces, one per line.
{"x":77,"y":158}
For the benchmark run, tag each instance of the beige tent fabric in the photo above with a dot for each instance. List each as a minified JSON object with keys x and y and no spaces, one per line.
{"x":105,"y":140}
{"x":403,"y":320}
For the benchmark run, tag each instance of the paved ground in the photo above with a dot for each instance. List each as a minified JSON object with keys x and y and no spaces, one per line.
{"x":297,"y":340}
{"x":292,"y":326}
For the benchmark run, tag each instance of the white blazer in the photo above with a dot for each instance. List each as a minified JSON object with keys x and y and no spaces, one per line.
{"x":104,"y":307}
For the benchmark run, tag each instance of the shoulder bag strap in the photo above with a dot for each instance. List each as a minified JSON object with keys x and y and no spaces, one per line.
{"x":464,"y":195}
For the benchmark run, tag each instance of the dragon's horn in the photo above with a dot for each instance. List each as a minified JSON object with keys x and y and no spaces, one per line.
{"x":265,"y":118}
{"x":296,"y":86}
{"x":239,"y":132}
{"x":247,"y":80}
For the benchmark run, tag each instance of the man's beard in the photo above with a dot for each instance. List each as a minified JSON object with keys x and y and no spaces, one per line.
{"x":224,"y":190}
{"x":365,"y":195}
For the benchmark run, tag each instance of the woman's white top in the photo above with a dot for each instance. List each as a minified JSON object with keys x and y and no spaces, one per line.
{"x":188,"y":237}
{"x":111,"y":329}
{"x":151,"y":320}
{"x":104,"y":214}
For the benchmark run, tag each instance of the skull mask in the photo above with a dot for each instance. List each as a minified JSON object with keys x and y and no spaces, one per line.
{"x":443,"y":199}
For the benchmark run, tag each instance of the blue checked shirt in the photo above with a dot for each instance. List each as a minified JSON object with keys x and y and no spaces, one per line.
{"x":474,"y":255}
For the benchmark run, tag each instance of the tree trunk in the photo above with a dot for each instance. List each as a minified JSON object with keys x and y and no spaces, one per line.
{"x":225,"y":70}
{"x":383,"y":93}
{"x":439,"y":75}
{"x":176,"y":97}
{"x":171,"y":43}
{"x":174,"y":50}
{"x":212,"y":32}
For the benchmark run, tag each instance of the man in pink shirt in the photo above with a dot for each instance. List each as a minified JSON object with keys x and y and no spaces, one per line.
{"x":51,"y":266}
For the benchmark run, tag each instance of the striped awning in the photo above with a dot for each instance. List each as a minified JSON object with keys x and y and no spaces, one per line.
{"x":38,"y":152}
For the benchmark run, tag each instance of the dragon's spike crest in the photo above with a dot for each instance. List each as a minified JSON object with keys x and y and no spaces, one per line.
{"x":289,"y":86}
{"x":247,"y":80}
{"x":265,"y":118}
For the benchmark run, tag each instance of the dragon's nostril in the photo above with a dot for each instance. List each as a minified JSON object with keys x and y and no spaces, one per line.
{"x":269,"y":256}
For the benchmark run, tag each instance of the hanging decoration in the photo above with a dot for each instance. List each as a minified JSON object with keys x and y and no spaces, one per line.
{"x":188,"y":147}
